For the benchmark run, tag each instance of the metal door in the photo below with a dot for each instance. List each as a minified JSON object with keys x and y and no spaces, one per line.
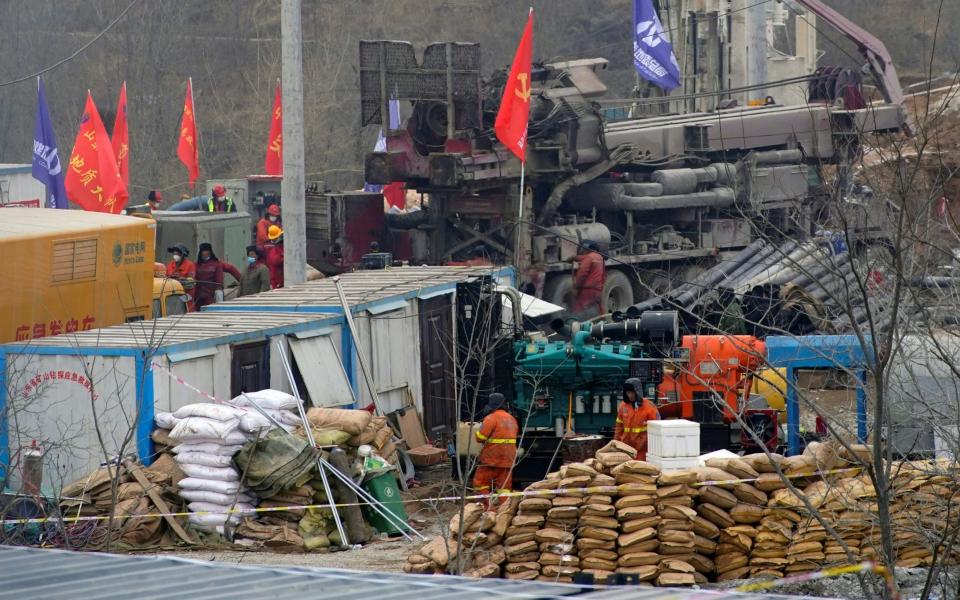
{"x":436,"y":365}
{"x":250,"y":368}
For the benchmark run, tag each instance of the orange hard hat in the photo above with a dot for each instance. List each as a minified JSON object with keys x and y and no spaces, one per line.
{"x":273,"y":209}
{"x":219,"y":190}
{"x":274,"y":232}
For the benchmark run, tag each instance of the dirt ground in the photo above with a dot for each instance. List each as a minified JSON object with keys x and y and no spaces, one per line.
{"x":385,"y":554}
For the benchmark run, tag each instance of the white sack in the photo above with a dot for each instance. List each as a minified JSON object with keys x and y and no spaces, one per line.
{"x":209,"y":485}
{"x":214,"y":497}
{"x":218,"y":473}
{"x":165,"y":420}
{"x":207,"y":448}
{"x":204,"y":459}
{"x":240,"y":509}
{"x":212,"y":521}
{"x":268,"y":399}
{"x":217,"y":412}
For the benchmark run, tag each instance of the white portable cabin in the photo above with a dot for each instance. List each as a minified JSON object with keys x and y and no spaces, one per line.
{"x":406,"y":322}
{"x":91,"y":395}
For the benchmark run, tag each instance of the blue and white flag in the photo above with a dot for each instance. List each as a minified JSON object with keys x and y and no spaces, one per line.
{"x":46,"y":160}
{"x":652,"y":53}
{"x":381,"y":145}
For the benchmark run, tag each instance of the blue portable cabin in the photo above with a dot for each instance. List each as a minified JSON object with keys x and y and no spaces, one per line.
{"x":845,"y":352}
{"x":69,"y":392}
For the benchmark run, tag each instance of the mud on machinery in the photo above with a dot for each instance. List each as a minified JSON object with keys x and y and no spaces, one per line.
{"x":657,"y":193}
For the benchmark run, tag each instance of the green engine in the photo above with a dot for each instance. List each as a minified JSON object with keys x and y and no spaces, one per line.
{"x":582,"y":378}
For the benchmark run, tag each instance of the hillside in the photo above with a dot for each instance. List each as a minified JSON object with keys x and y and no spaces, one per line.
{"x":231,"y":49}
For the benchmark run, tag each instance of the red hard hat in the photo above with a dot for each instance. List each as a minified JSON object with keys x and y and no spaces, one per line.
{"x":219,"y":190}
{"x":273,"y":209}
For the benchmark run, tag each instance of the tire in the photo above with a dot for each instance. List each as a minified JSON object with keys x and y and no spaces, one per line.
{"x":617,"y":292}
{"x":559,"y":290}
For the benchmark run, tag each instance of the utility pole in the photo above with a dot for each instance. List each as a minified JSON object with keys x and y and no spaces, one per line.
{"x":757,"y":48}
{"x":293,"y":188}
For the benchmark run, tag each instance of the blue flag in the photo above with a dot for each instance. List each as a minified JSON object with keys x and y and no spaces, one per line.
{"x":46,"y":159}
{"x":652,"y":53}
{"x":381,"y":145}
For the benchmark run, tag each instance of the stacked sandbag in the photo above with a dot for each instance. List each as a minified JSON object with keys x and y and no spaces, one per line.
{"x":676,"y":533}
{"x":469,"y":548}
{"x":209,"y":435}
{"x":281,"y":406}
{"x":520,"y":545}
{"x":597,"y":526}
{"x":636,"y":508}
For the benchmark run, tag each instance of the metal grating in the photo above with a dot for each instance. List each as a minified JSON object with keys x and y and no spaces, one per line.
{"x":44,"y":573}
{"x":391,"y":68}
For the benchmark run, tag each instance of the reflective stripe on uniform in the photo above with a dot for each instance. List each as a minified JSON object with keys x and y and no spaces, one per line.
{"x":634,"y":429}
{"x":481,"y":437}
{"x":501,"y":441}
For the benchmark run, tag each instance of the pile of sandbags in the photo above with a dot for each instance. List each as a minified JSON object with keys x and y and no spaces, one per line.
{"x":474,"y":544}
{"x":112,"y":491}
{"x":350,"y":428}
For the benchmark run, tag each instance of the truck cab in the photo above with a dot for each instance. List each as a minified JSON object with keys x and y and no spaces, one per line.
{"x":168,"y":294}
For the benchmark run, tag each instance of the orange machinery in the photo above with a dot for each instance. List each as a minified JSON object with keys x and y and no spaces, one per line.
{"x":706,"y":365}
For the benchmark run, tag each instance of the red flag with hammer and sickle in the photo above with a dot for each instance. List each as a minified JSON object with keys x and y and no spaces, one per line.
{"x":187,"y":149}
{"x":511,"y":123}
{"x":273,"y":165}
{"x":93,"y":180}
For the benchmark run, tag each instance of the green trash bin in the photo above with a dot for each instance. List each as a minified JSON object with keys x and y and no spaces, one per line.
{"x":384,"y":488}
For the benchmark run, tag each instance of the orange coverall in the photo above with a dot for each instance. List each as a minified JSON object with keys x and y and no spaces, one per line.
{"x":631,"y":425}
{"x":498,"y":434}
{"x":588,"y":282}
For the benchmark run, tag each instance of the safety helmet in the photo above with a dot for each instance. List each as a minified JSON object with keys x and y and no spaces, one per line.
{"x":274,"y":210}
{"x":274,"y":233}
{"x":219,"y":191}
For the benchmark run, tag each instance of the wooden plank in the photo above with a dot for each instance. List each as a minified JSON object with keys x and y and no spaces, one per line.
{"x":157,"y":500}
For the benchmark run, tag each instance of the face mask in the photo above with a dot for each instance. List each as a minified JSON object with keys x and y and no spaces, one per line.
{"x":272,"y":218}
{"x":251,"y":260}
{"x":177,"y":258}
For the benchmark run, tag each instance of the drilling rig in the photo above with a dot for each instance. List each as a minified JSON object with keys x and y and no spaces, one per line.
{"x":658,"y":194}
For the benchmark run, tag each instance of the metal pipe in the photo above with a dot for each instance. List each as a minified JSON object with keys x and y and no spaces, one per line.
{"x":356,"y":343}
{"x":313,"y":443}
{"x":613,"y":197}
{"x":514,"y":296}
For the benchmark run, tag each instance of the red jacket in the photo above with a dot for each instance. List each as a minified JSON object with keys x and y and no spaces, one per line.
{"x":588,"y":281}
{"x":274,"y":262}
{"x":210,"y":279}
{"x":263,"y":226}
{"x":498,"y":434}
{"x":631,"y":425}
{"x":185,"y":269}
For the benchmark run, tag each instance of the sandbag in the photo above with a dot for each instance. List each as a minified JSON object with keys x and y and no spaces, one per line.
{"x":584,"y":543}
{"x":555,"y":571}
{"x":441,"y":551}
{"x":207,"y":410}
{"x":638,"y":524}
{"x":561,"y":512}
{"x":563,"y":501}
{"x":735,"y":466}
{"x":642,"y":535}
{"x":675,"y":525}
{"x":165,"y":420}
{"x":217,"y":473}
{"x":715,"y":515}
{"x":636,"y":512}
{"x":682,"y":513}
{"x":680,"y":476}
{"x":716,"y":477}
{"x":597,"y":510}
{"x":637,"y":559}
{"x":209,"y":485}
{"x":637,"y":467}
{"x":554,"y":536}
{"x":574,"y":469}
{"x":210,"y":521}
{"x":203,"y":428}
{"x":620,"y":447}
{"x":575,"y":481}
{"x":769,"y":482}
{"x":598,"y":533}
{"x":704,"y":545}
{"x":471,"y":513}
{"x":535,"y":505}
{"x":204,"y":459}
{"x":673,"y":579}
{"x":643,"y":572}
{"x":254,"y":422}
{"x":350,"y":421}
{"x":635,"y":500}
{"x":550,"y":558}
{"x":746,"y":513}
{"x":602,"y":499}
{"x":761,"y":463}
{"x":718,"y":496}
{"x":612,"y":459}
{"x":599,"y":553}
{"x":749,"y":494}
{"x":214,"y":497}
{"x":595,"y":521}
{"x":678,"y":489}
{"x":598,"y":563}
{"x":267,"y":399}
{"x":240,"y":508}
{"x":634,"y":489}
{"x":705,"y":528}
{"x":207,"y":448}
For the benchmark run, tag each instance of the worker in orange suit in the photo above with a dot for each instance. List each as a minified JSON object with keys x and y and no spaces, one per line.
{"x":183,"y":270}
{"x":588,"y":281}
{"x":632,"y":417}
{"x":498,"y":434}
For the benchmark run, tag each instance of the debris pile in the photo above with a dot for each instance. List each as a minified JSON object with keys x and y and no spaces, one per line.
{"x":733,"y":518}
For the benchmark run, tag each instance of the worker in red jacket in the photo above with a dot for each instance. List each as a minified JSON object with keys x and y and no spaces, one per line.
{"x":588,"y":281}
{"x":210,"y":270}
{"x":183,"y":270}
{"x":498,"y":434}
{"x":264,"y":224}
{"x":632,"y":416}
{"x":274,"y":256}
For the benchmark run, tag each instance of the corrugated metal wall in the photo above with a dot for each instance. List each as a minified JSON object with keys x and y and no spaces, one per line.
{"x":51,"y":399}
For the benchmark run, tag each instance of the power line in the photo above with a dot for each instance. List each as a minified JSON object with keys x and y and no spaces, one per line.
{"x":76,"y":53}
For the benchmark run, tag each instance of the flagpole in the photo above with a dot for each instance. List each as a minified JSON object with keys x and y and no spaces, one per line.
{"x":516,"y":251}
{"x":196,"y":130}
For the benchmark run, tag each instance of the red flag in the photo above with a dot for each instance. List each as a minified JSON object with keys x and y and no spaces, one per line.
{"x":187,"y":147}
{"x":93,"y":180}
{"x":273,"y":165}
{"x":511,"y":123}
{"x":121,"y":138}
